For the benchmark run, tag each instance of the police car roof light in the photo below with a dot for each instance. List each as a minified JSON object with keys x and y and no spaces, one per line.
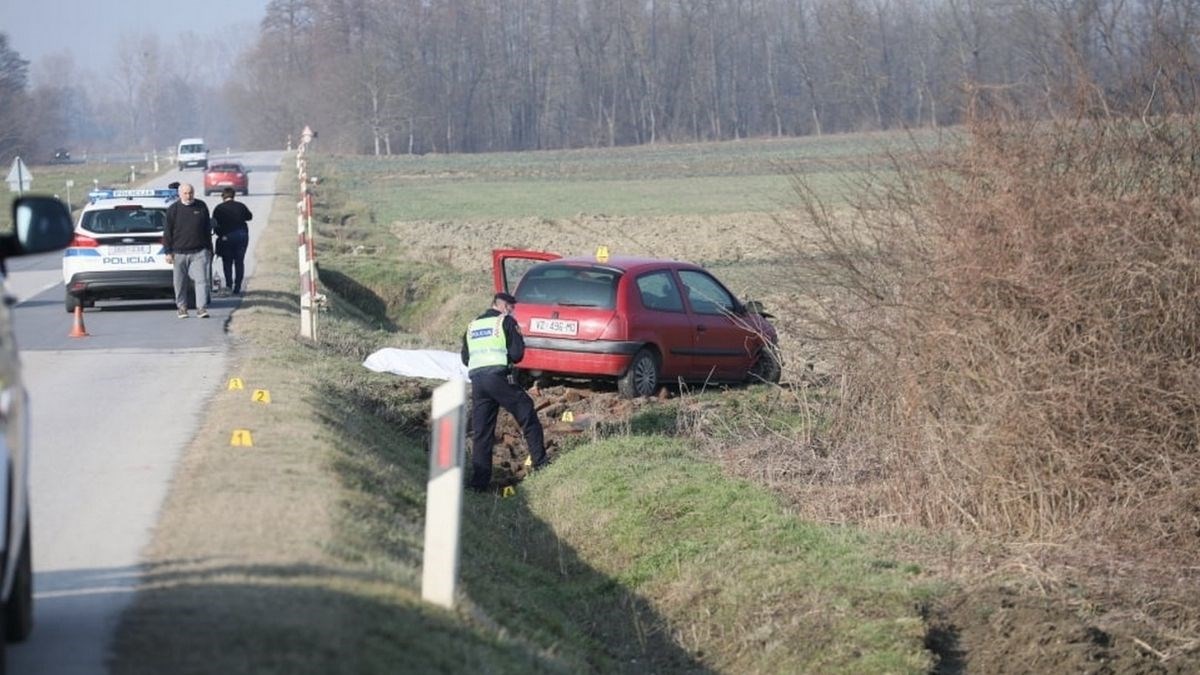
{"x":122,"y":193}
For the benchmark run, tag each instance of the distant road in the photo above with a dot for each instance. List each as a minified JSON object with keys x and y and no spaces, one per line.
{"x":112,"y":414}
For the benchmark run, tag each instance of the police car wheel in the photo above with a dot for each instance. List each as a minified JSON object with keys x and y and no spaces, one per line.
{"x":71,"y":303}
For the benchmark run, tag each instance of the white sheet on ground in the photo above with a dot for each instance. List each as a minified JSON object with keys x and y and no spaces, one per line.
{"x":434,"y":364}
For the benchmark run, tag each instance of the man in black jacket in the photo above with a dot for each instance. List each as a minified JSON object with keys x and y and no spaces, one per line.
{"x":187,"y":239}
{"x":490,"y":347}
{"x":233,"y":236}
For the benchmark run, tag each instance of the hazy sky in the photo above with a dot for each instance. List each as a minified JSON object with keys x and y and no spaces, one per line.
{"x":91,"y":29}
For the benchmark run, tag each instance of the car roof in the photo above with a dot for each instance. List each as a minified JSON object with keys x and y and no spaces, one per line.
{"x":623,"y":263}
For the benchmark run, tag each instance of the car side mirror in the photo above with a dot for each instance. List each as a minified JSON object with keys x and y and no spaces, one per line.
{"x":41,"y":224}
{"x":756,"y":307}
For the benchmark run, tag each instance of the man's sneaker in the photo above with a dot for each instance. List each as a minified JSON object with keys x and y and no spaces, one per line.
{"x":203,"y":314}
{"x":183,"y":314}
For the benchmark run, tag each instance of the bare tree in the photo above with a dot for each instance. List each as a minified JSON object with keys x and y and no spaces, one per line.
{"x":13,"y":101}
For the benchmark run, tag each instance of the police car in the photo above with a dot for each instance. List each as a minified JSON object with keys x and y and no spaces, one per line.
{"x":117,"y":252}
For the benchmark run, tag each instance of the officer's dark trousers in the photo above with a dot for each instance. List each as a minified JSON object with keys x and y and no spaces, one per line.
{"x":489,"y":393}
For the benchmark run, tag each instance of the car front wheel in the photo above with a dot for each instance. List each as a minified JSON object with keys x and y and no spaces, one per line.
{"x":767,"y":367}
{"x":642,"y":377}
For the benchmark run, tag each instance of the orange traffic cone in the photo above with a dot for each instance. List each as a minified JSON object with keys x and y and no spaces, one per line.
{"x":78,"y":330}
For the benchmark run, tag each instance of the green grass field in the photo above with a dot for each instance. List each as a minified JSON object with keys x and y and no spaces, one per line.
{"x":684,"y":180}
{"x":51,"y":179}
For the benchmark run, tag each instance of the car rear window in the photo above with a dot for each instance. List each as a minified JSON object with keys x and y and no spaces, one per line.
{"x":124,"y":220}
{"x":569,"y":286}
{"x":230,"y":168}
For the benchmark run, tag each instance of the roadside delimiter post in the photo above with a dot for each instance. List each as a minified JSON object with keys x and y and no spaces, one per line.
{"x":443,"y":497}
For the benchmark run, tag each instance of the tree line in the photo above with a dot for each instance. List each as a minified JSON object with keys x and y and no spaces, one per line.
{"x":416,"y":76}
{"x":397,"y":76}
{"x":147,"y":98}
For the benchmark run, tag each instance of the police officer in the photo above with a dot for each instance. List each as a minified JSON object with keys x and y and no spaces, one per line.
{"x":490,"y":347}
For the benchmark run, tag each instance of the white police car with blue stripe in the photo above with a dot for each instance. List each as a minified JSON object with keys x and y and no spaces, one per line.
{"x":117,"y":252}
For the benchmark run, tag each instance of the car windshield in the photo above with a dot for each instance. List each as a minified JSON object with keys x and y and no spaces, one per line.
{"x":569,"y":286}
{"x":191,"y":148}
{"x":124,"y":221}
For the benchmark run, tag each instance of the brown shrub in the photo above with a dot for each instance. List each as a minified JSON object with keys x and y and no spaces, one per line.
{"x":1016,"y":324}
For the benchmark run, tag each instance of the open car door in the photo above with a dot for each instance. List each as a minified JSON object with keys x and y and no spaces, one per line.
{"x":509,"y":265}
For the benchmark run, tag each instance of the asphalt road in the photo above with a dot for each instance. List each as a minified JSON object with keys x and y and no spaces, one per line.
{"x":111,"y":414}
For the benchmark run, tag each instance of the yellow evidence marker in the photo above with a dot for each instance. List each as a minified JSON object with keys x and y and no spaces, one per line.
{"x":262,"y":396}
{"x":508,"y":491}
{"x":235,"y":383}
{"x":241,"y":438}
{"x":568,"y":416}
{"x":602,"y":254}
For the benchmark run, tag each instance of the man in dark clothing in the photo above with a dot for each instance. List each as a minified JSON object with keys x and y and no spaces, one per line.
{"x":233,"y":236}
{"x":187,"y":240}
{"x":490,"y":347}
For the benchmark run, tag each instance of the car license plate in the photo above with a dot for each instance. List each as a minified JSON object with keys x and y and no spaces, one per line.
{"x":554,"y":326}
{"x":129,"y":250}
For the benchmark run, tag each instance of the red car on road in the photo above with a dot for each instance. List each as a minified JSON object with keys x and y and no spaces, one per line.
{"x":642,"y":321}
{"x":226,"y":174}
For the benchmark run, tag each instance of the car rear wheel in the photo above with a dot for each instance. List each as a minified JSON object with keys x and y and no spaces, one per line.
{"x":71,"y":302}
{"x":18,"y":611}
{"x":642,"y":377}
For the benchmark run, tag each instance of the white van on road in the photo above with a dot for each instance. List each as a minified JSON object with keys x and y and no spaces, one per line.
{"x":193,"y":152}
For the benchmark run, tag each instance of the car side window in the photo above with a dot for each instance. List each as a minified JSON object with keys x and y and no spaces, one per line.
{"x":659,"y":292}
{"x":705,"y":294}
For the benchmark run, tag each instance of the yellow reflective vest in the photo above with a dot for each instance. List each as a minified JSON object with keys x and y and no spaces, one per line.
{"x":486,"y":343}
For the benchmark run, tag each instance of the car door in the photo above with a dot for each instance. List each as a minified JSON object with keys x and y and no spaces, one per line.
{"x":663,"y":319}
{"x":509,"y":265}
{"x":723,"y":345}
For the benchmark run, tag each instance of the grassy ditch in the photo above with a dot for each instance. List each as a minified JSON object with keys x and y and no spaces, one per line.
{"x":942,"y":370}
{"x":632,"y":553}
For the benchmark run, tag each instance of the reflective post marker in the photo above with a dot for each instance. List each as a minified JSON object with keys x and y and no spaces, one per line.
{"x":304,"y":234}
{"x":443,"y":497}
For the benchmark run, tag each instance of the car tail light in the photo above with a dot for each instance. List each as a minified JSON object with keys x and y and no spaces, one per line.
{"x":80,"y":241}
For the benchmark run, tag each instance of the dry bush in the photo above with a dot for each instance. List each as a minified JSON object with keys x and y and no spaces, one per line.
{"x":1015,"y":323}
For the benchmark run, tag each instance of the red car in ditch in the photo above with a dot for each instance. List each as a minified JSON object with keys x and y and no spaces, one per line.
{"x":221,"y":175}
{"x":640,"y":321}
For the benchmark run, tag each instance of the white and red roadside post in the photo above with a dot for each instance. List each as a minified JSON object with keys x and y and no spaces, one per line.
{"x":444,"y":495}
{"x":308,"y":285}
